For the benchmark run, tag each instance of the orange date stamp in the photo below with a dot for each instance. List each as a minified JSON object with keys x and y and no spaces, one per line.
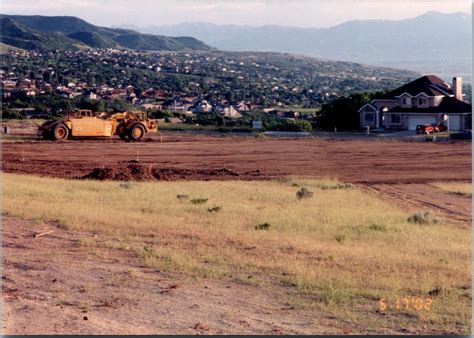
{"x":406,"y":303}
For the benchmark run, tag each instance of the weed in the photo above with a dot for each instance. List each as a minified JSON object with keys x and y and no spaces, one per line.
{"x":85,"y":308}
{"x":148,"y":251}
{"x":146,"y":210}
{"x":324,"y":186}
{"x":182,"y":197}
{"x":214,"y":209}
{"x":426,"y":217}
{"x":263,"y":226}
{"x":304,"y":193}
{"x":378,"y":227}
{"x":127,"y":185}
{"x":199,"y":200}
{"x":340,"y":238}
{"x":461,"y":193}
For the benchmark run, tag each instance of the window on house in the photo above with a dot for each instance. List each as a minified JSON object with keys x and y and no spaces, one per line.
{"x":404,"y":101}
{"x":395,"y":118}
{"x":421,"y":101}
{"x":369,"y":117}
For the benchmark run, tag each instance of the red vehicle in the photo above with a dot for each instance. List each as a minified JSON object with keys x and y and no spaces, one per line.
{"x":425,"y":129}
{"x":438,"y":128}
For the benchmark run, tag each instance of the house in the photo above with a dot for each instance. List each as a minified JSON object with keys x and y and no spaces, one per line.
{"x":426,"y":100}
{"x":177,"y":104}
{"x":242,"y":106}
{"x":227,"y":111}
{"x":152,"y":106}
{"x":201,"y":107}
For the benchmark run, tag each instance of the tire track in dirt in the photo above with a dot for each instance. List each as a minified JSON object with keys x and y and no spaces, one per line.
{"x":422,"y":197}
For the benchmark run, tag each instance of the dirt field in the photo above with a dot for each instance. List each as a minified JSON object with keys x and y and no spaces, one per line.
{"x":210,"y":157}
{"x":77,"y":291}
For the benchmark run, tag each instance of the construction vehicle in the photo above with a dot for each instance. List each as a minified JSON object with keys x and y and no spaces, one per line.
{"x":84,"y":123}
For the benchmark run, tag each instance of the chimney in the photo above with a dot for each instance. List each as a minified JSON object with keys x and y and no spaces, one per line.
{"x":457,"y":87}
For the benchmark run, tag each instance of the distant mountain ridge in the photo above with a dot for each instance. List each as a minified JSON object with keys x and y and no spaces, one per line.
{"x":67,"y":32}
{"x":443,"y":42}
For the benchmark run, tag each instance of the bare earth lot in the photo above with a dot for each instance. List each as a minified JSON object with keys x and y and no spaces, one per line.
{"x":54,"y":285}
{"x":384,"y":167}
{"x":202,"y":157}
{"x":77,"y":292}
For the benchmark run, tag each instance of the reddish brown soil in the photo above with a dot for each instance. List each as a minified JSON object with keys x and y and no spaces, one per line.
{"x":53,"y":285}
{"x":200,"y":157}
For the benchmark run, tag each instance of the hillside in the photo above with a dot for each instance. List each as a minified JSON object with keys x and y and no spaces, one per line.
{"x":65,"y":32}
{"x":17,"y":35}
{"x":429,"y":43}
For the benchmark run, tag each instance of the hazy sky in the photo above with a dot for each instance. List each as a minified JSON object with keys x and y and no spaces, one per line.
{"x":303,"y":13}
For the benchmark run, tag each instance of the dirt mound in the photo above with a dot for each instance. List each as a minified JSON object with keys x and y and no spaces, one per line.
{"x":132,"y":172}
{"x":145,"y":172}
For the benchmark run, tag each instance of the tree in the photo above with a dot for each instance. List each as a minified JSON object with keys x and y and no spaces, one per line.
{"x":220,"y":121}
{"x":229,"y":96}
{"x":8,"y":114}
{"x":342,"y":113}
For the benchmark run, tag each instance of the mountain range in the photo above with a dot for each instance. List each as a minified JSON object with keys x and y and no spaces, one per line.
{"x":66,"y":32}
{"x":430,"y":43}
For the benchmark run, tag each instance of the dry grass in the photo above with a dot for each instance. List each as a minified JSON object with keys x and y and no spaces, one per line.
{"x":341,"y":250}
{"x":461,"y":189}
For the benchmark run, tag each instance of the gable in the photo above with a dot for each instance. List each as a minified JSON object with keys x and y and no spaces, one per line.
{"x":367,"y":107}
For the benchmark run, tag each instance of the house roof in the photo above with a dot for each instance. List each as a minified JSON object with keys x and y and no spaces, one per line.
{"x":447,"y":105}
{"x":429,"y":84}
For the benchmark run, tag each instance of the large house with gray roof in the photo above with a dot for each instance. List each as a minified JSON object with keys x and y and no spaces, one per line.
{"x":426,"y":100}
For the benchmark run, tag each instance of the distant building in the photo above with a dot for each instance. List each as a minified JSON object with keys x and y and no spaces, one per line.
{"x":426,"y":100}
{"x":242,"y":106}
{"x":152,"y":106}
{"x":177,"y":105}
{"x":201,"y":107}
{"x":227,"y":111}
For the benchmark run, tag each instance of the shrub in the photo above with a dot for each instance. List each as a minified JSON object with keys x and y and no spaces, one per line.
{"x":199,"y":200}
{"x":182,"y":197}
{"x":127,"y":185}
{"x":324,"y":186}
{"x":263,"y":226}
{"x":214,"y":209}
{"x":426,"y":217}
{"x":304,"y":193}
{"x":378,"y":227}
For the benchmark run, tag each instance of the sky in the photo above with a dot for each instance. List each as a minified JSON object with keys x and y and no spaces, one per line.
{"x":301,"y":13}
